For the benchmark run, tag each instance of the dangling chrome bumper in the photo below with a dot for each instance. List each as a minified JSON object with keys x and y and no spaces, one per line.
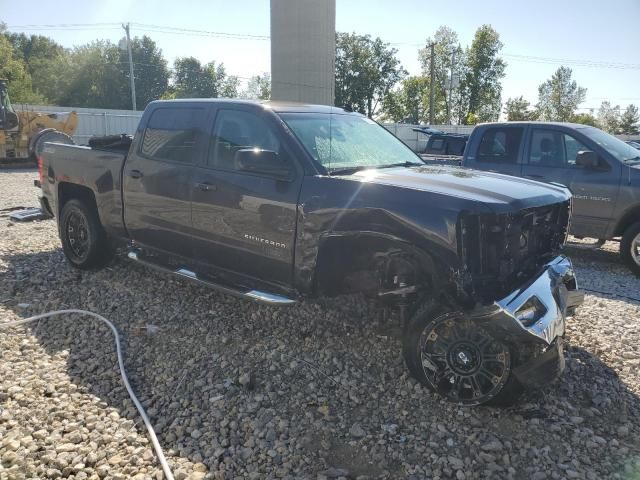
{"x":536,"y":313}
{"x":537,"y":310}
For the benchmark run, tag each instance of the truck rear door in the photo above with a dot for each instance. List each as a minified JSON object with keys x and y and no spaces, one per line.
{"x":245,"y":221}
{"x":498,"y":149}
{"x":157,"y":183}
{"x":551,"y":157}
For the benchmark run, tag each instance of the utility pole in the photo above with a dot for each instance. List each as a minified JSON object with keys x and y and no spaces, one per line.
{"x":431,"y":82}
{"x":131,"y":78}
{"x":453,"y":60}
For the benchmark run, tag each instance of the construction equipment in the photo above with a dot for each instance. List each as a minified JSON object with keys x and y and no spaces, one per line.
{"x":24,"y":133}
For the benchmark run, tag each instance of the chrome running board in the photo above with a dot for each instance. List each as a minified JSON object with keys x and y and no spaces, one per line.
{"x":254,"y":295}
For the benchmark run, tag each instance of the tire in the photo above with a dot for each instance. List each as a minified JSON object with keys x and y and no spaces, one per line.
{"x":454,"y":357}
{"x":630,"y":248}
{"x":37,"y":141}
{"x":84,"y":241}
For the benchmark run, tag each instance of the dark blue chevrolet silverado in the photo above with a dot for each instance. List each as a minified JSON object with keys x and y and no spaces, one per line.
{"x":275,"y":202}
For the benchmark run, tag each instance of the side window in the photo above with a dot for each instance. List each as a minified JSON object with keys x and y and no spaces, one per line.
{"x":547,"y":149}
{"x":235,"y":130}
{"x":572,"y":147}
{"x":172,"y":134}
{"x":437,"y":144}
{"x":500,"y":145}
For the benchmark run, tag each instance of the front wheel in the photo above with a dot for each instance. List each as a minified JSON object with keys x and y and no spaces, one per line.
{"x":459,"y":360}
{"x":84,"y":241}
{"x":630,"y":248}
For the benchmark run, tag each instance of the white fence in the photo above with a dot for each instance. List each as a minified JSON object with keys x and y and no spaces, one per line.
{"x":93,"y":121}
{"x":96,"y":121}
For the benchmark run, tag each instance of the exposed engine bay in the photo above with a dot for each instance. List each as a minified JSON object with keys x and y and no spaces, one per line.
{"x":502,"y":251}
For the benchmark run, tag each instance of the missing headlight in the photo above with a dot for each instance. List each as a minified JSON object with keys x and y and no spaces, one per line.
{"x":531,"y":311}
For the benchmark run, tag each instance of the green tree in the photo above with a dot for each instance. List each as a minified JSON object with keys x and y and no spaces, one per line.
{"x":13,"y":68}
{"x":630,"y":121}
{"x":188,"y":78}
{"x":519,"y":109}
{"x":366,"y":70}
{"x":471,"y":119}
{"x":258,"y":87}
{"x":585,"y":119}
{"x":150,"y":71}
{"x":193,"y":80}
{"x":559,"y":96}
{"x":480,"y":86}
{"x":409,"y":103}
{"x":96,"y":79}
{"x":446,"y":49}
{"x":229,"y":85}
{"x":609,"y":118}
{"x":46,"y":61}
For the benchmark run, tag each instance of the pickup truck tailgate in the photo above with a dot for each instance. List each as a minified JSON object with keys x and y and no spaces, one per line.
{"x":98,"y":172}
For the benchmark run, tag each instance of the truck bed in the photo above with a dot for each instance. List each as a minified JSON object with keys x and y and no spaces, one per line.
{"x":74,"y":166}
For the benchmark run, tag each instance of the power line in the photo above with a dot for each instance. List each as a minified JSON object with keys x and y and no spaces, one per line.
{"x":166,"y":29}
{"x":140,"y":26}
{"x":191,"y":31}
{"x":63,"y":25}
{"x":66,"y":26}
{"x":568,"y":61}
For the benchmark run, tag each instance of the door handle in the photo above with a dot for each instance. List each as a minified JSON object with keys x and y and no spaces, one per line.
{"x":206,"y":187}
{"x":136,"y":174}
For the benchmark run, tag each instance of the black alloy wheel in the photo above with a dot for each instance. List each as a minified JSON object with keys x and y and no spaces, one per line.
{"x":84,"y":241}
{"x":462,"y":362}
{"x":456,"y":358}
{"x":77,"y":234}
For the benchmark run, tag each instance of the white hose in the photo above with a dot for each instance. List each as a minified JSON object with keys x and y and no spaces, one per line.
{"x":125,"y":380}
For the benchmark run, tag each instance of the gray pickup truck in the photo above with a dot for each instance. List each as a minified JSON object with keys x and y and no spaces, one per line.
{"x":274,"y":202}
{"x":602,"y":172}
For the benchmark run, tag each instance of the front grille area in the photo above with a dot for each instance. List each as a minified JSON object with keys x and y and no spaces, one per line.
{"x":503,"y":251}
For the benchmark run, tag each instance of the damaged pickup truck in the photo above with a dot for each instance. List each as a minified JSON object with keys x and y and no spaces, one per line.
{"x":276,"y":202}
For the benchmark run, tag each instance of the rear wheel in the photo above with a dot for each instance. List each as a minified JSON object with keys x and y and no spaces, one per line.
{"x":630,"y":247}
{"x":84,"y":241}
{"x":454,"y":357}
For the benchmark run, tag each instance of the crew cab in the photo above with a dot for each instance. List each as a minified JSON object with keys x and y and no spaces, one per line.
{"x":602,"y":172}
{"x":276,"y":202}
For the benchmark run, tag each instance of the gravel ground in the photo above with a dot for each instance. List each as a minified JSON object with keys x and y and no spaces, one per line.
{"x":237,"y":390}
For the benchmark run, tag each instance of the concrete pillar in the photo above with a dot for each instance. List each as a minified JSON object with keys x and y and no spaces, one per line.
{"x":303,"y":50}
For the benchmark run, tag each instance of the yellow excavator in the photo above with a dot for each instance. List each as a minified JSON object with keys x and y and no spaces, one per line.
{"x":24,"y":133}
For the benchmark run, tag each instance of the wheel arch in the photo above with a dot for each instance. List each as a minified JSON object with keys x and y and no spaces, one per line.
{"x":629,"y":217}
{"x":352,"y":262}
{"x":69,"y":191}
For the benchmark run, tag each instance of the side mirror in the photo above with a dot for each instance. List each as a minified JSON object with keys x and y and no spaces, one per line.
{"x":263,"y":162}
{"x":587,"y":159}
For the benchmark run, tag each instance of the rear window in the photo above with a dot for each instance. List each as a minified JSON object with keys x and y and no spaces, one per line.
{"x":456,"y":147}
{"x":500,"y":145}
{"x":437,"y":144}
{"x":173,"y":134}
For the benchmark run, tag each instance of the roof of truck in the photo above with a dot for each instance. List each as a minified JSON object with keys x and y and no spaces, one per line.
{"x":525,"y":122}
{"x":276,"y":106}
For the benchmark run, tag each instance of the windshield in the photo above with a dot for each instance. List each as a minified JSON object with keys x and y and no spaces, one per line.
{"x":339,"y":141}
{"x":611,"y":144}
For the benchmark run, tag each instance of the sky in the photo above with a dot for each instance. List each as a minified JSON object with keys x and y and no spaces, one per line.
{"x":599,"y":40}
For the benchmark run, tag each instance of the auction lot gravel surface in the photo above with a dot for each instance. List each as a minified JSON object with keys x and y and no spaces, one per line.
{"x":319,"y":390}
